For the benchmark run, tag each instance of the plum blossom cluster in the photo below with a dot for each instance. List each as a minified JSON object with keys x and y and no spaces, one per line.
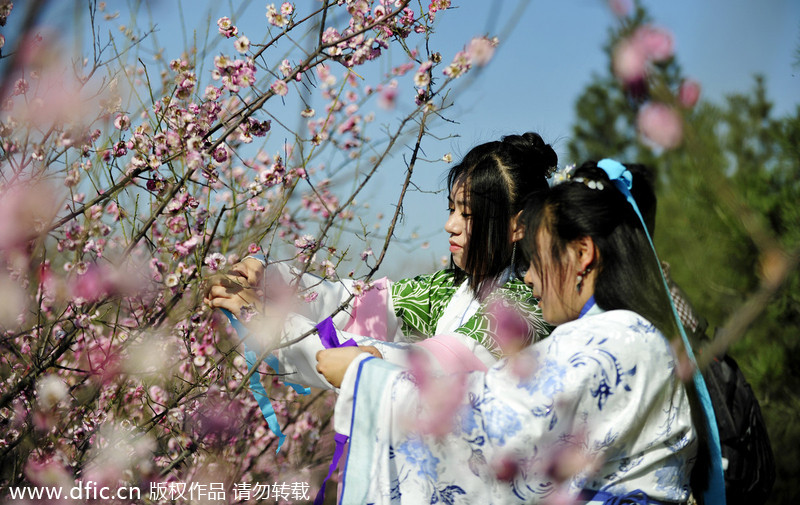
{"x":280,"y":17}
{"x":635,"y":60}
{"x":120,"y":197}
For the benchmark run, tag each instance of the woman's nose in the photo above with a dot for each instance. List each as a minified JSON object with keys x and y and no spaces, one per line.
{"x":451,"y":225}
{"x":528,"y":278}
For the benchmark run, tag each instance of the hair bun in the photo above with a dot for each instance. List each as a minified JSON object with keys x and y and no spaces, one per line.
{"x":541,"y":156}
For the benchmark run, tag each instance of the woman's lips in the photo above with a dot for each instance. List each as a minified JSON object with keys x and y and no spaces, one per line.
{"x":454,"y":247}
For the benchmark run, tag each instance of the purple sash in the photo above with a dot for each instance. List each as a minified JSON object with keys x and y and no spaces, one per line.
{"x":329,"y":339}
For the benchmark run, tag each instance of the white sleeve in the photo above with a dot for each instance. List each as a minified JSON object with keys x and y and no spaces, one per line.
{"x":299,"y":360}
{"x":343,"y":409}
{"x":329,"y":296}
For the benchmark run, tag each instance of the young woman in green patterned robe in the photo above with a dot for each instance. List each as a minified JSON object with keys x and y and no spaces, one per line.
{"x":461,"y":316}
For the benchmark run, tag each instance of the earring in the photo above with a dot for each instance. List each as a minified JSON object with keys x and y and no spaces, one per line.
{"x":581,"y":276}
{"x":513,"y":255}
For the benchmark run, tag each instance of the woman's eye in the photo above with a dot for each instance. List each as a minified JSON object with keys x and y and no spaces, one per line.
{"x":450,"y":210}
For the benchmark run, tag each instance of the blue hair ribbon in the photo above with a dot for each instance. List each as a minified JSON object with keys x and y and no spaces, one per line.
{"x":259,"y":393}
{"x":715,"y":494}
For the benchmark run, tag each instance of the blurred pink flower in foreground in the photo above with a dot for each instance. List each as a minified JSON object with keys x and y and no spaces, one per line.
{"x":25,"y":211}
{"x":91,"y":285}
{"x":388,"y":97}
{"x":660,"y":124}
{"x":689,"y":93}
{"x":511,"y":329}
{"x":481,"y":50}
{"x":440,"y":397}
{"x":632,"y":55}
{"x":47,"y":470}
{"x":14,"y":301}
{"x":620,"y":8}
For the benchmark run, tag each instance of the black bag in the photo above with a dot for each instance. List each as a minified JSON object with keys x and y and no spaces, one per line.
{"x":750,"y":471}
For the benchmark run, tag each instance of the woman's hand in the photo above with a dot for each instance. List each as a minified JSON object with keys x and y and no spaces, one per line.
{"x":251,"y":269}
{"x":333,"y":363}
{"x":231,"y":292}
{"x":237,"y":288}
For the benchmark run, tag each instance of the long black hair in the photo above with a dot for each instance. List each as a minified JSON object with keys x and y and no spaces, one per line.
{"x":628,"y":272}
{"x":497,"y":176}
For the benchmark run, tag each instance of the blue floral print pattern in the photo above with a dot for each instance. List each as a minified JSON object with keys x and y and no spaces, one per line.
{"x":604,"y":387}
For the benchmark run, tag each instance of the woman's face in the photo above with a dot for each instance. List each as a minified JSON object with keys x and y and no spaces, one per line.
{"x":558,"y":297}
{"x":458,"y":225}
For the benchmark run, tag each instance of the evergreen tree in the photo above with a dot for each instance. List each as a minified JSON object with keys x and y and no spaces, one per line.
{"x":729,"y":205}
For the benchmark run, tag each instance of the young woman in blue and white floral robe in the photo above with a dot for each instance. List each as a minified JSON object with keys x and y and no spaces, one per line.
{"x":604,"y":387}
{"x":595,"y":412}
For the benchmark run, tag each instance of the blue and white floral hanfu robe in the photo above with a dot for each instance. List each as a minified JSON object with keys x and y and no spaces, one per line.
{"x":601,"y":410}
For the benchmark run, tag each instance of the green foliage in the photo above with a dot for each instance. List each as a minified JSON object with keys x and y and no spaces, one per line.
{"x":738,"y":170}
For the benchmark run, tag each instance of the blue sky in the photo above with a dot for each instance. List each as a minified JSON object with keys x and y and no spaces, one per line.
{"x":534,"y":78}
{"x":540,"y":70}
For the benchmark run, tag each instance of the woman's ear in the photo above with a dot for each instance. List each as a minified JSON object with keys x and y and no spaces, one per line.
{"x":517,"y":230}
{"x":584,"y":251}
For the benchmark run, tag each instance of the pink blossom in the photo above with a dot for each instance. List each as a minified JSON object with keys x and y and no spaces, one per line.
{"x":437,"y":5}
{"x":330,"y":36}
{"x":689,"y":93}
{"x":330,"y":268}
{"x":2,"y":41}
{"x":215,"y":261}
{"x":389,"y":96}
{"x":242,"y":44}
{"x":505,"y":467}
{"x":285,"y":68}
{"x":90,"y":284}
{"x":422,"y":76}
{"x":440,"y":396}
{"x":122,"y":122}
{"x":620,"y":8}
{"x":276,"y":18}
{"x":279,"y":88}
{"x":629,"y":61}
{"x":186,"y":247}
{"x":47,"y":470}
{"x":481,"y":50}
{"x":220,"y":154}
{"x":24,"y":211}
{"x":510,"y":327}
{"x":305,"y":242}
{"x":325,"y":76}
{"x":226,"y":27}
{"x":404,"y":68}
{"x":660,"y":124}
{"x":632,"y":55}
{"x":21,"y":87}
{"x":459,"y":66}
{"x":360,"y":287}
{"x":657,"y":42}
{"x":212,"y":93}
